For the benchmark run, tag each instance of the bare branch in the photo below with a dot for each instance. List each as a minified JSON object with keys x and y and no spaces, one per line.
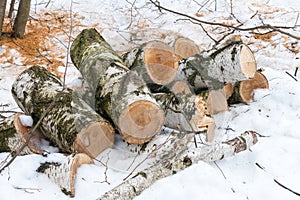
{"x":236,"y":28}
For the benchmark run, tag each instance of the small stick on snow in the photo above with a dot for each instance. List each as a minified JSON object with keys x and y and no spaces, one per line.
{"x":291,"y":75}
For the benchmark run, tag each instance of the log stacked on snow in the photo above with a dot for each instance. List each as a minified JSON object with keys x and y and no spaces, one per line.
{"x":185,"y":112}
{"x":13,"y":135}
{"x":231,"y":63}
{"x":121,"y":94}
{"x":63,"y":173}
{"x":184,"y":48}
{"x":242,"y":91}
{"x":155,"y":61}
{"x":70,"y":124}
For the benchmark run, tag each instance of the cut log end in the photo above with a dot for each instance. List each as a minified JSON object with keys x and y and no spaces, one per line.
{"x":247,"y":87}
{"x":216,"y":102}
{"x":140,"y":122}
{"x":160,"y":62}
{"x":180,"y":87}
{"x":95,"y":138}
{"x":247,"y":61}
{"x":184,"y":47}
{"x":78,"y":160}
{"x":228,"y":90}
{"x":210,"y":134}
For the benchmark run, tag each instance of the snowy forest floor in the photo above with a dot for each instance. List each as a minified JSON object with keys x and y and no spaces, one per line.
{"x":274,"y":112}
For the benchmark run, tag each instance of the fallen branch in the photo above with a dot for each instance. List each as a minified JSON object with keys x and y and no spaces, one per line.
{"x":177,"y":159}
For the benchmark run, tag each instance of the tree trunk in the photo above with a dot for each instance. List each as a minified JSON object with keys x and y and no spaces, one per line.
{"x":13,"y":134}
{"x":120,"y":94}
{"x":184,"y":48}
{"x":11,"y":8}
{"x":233,"y":62}
{"x":176,"y":159}
{"x":64,"y":173}
{"x":154,"y":61}
{"x":2,"y":14}
{"x":21,"y":19}
{"x":71,"y":124}
{"x":242,"y":91}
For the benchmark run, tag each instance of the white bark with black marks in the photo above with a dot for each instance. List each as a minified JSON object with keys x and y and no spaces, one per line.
{"x":70,"y":124}
{"x":233,"y":62}
{"x":177,"y":158}
{"x":64,"y":173}
{"x":121,"y":94}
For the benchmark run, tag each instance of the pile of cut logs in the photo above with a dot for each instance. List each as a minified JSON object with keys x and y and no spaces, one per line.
{"x":134,"y":94}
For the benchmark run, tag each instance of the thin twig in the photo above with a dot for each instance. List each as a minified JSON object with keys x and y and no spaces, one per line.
{"x":148,"y":156}
{"x":106,"y":169}
{"x":291,"y":76}
{"x":296,"y":70}
{"x":237,"y":28}
{"x":220,"y":170}
{"x":69,"y":44}
{"x":276,"y":181}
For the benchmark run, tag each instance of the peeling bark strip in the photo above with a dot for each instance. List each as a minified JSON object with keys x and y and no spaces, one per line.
{"x":232,"y":63}
{"x":71,"y":124}
{"x":13,"y":135}
{"x":184,"y":112}
{"x":121,"y":94}
{"x":179,"y":158}
{"x":155,"y":61}
{"x":64,"y":173}
{"x":242,"y":91}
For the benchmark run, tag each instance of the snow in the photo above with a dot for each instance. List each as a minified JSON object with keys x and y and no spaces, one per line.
{"x":26,"y":120}
{"x":274,"y":113}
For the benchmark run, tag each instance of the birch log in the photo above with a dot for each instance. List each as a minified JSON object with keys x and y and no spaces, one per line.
{"x":155,"y":61}
{"x":233,"y":62}
{"x":177,"y":159}
{"x":185,"y":112}
{"x":13,"y":134}
{"x":243,"y":91}
{"x":70,"y":124}
{"x":121,"y":94}
{"x":64,"y":173}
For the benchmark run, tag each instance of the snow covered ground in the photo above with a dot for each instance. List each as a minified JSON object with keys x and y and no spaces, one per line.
{"x":274,"y":112}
